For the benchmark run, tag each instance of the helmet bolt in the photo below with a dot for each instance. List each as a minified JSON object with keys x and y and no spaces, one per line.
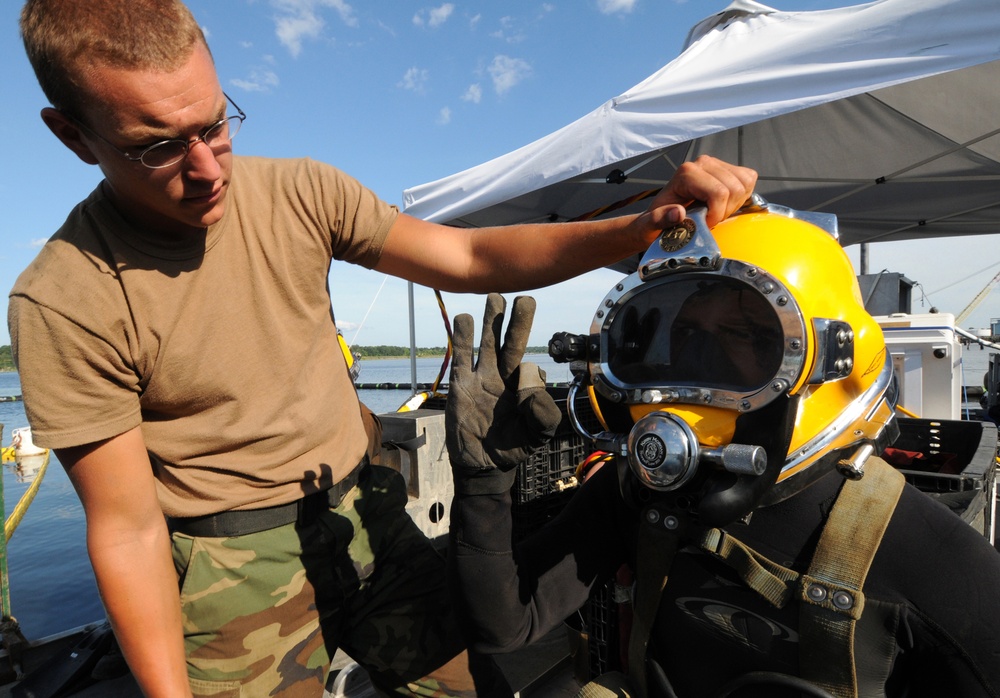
{"x":609,"y":303}
{"x":767,"y":287}
{"x":652,"y":516}
{"x":842,"y":600}
{"x":671,"y":522}
{"x":745,"y":405}
{"x":795,"y":344}
{"x":816,"y":593}
{"x":704,"y":262}
{"x":848,"y":364}
{"x":778,"y":386}
{"x":652,"y":396}
{"x":620,"y":287}
{"x":782,"y":300}
{"x":751,"y":272}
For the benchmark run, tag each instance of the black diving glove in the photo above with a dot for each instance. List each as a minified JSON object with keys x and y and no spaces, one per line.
{"x":498,"y":412}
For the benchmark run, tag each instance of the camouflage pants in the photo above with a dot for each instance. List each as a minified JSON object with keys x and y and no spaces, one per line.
{"x":265,"y":612}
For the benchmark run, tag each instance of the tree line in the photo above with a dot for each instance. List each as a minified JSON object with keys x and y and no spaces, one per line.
{"x":387,"y":351}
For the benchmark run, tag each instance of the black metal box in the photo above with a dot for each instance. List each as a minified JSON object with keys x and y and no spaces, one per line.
{"x":953,"y":461}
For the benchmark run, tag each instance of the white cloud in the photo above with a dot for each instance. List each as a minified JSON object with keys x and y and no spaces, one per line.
{"x":38,"y":242}
{"x":301,"y":19}
{"x":508,"y":72}
{"x":474,"y":94}
{"x":436,"y":16}
{"x":610,"y":7}
{"x":414,"y":80}
{"x":509,"y":30}
{"x":474,"y":21}
{"x":259,"y":80}
{"x":444,"y":116}
{"x":439,"y":15}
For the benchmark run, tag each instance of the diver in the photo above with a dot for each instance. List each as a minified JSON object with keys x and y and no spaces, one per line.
{"x":744,"y":396}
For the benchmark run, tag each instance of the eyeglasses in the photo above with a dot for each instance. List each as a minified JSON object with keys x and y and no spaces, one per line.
{"x":170,"y":152}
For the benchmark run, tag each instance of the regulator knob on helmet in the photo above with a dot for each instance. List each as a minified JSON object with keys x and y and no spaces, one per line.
{"x":663,"y":453}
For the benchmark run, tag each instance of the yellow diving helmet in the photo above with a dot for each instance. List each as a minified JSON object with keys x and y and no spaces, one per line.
{"x":739,"y":360}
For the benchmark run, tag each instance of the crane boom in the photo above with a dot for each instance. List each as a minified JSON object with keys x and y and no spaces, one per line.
{"x":974,"y":303}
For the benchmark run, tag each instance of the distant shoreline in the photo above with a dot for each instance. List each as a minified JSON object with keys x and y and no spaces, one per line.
{"x":366,"y":357}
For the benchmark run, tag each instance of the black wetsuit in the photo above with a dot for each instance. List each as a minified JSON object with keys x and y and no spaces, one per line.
{"x":931,"y":625}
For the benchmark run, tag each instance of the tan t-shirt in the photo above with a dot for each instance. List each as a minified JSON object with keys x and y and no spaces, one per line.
{"x":223,"y":348}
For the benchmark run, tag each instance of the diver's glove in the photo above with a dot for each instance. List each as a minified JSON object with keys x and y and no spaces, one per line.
{"x":498,"y":412}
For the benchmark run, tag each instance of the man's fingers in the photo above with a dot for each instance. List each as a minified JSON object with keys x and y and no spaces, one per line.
{"x":721,"y":186}
{"x":461,"y":341}
{"x":530,"y":377}
{"x":492,"y":324}
{"x":538,"y":409}
{"x":516,"y":339}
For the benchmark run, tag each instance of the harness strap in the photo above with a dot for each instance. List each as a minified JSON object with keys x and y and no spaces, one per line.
{"x":769,"y":579}
{"x":830,"y":592}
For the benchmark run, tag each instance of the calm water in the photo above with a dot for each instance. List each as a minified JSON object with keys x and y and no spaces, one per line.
{"x":52,"y":586}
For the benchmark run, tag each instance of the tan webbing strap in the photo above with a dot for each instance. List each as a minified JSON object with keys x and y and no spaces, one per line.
{"x":611,"y":685}
{"x":656,"y":549}
{"x":830,"y":591}
{"x":769,"y":579}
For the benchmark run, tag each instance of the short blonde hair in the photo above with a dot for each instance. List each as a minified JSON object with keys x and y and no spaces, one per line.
{"x":64,"y":38}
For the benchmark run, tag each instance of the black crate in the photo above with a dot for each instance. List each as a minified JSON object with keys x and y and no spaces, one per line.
{"x":955,"y":455}
{"x":546,"y":480}
{"x":955,"y":464}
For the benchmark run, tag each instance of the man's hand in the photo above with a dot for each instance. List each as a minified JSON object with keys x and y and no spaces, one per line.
{"x":498,"y":412}
{"x":722,"y":187}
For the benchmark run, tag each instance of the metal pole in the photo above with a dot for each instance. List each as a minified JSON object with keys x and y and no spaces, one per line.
{"x":864,"y":259}
{"x":413,"y":338}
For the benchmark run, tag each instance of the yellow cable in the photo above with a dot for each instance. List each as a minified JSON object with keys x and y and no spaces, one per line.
{"x":22,"y":505}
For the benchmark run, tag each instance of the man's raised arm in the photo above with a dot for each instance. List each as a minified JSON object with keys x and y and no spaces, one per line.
{"x":521,"y":257}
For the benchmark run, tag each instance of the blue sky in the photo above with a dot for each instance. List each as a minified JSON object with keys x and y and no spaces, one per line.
{"x":401,"y":93}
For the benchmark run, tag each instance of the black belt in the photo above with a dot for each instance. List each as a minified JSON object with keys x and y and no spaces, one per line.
{"x":227,"y":524}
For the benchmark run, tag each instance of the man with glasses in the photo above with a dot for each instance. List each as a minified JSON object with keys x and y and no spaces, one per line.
{"x":177,"y":350}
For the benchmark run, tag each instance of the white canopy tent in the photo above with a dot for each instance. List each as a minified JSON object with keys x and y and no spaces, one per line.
{"x":886,"y":114}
